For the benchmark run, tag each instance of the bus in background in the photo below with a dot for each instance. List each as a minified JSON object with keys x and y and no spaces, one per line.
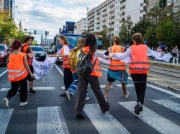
{"x":99,"y":40}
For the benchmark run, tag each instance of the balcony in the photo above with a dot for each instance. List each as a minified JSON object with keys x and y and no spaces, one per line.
{"x":98,"y":18}
{"x":104,"y":15}
{"x":123,"y":7}
{"x":111,"y":17}
{"x":98,"y":23}
{"x":122,"y":14}
{"x":104,"y":10}
{"x":104,"y":20}
{"x":111,"y":12}
{"x":122,"y":1}
{"x":98,"y":13}
{"x":112,"y":6}
{"x":111,"y":29}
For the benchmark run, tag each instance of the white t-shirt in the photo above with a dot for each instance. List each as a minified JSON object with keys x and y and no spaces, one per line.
{"x":66,"y":50}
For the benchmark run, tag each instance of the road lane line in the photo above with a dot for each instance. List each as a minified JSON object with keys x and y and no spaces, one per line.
{"x":174,"y":106}
{"x":5,"y":116}
{"x":129,"y":85}
{"x":101,"y":86}
{"x":159,"y":123}
{"x":104,"y":123}
{"x":157,"y":88}
{"x":59,"y":70}
{"x":163,"y":90}
{"x":51,"y":121}
{"x":3,"y":73}
{"x":35,"y":88}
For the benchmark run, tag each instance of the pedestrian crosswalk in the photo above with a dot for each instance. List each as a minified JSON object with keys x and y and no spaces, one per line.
{"x":51,"y":119}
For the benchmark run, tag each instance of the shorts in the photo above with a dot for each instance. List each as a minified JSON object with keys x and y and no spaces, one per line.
{"x":29,"y":76}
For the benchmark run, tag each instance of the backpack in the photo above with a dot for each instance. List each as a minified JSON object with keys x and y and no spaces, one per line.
{"x":84,"y":66}
{"x":73,"y":58}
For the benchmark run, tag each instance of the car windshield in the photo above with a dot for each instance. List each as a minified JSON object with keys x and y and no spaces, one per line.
{"x":73,"y":40}
{"x":37,"y":48}
{"x":2,"y":48}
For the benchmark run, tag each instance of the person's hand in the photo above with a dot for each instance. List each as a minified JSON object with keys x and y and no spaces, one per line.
{"x":32,"y":76}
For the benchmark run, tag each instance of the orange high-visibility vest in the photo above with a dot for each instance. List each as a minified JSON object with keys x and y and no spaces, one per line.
{"x":24,"y":50}
{"x":140,"y":62}
{"x":16,"y":68}
{"x":97,"y":68}
{"x":65,"y":59}
{"x":116,"y":64}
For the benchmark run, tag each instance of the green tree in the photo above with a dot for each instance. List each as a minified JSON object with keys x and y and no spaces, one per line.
{"x":141,"y":27}
{"x":150,"y":36}
{"x":125,"y":32}
{"x":104,"y":33}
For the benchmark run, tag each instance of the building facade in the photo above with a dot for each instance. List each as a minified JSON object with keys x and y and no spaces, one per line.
{"x":47,"y":42}
{"x":112,"y":13}
{"x":80,"y":26}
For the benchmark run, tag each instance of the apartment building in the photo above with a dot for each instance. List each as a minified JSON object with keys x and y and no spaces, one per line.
{"x":81,"y":26}
{"x":112,"y":13}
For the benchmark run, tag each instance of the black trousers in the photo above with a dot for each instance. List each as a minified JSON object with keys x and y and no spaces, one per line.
{"x":68,"y":79}
{"x":23,"y":90}
{"x":82,"y":90}
{"x":140,"y":86}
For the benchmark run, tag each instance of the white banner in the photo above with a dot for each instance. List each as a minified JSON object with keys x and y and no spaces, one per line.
{"x":42,"y":68}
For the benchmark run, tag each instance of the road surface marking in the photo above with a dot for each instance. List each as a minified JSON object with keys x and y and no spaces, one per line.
{"x":101,"y":86}
{"x":5,"y":116}
{"x":104,"y":123}
{"x":129,"y":85}
{"x":3,"y":73}
{"x":159,"y":123}
{"x":51,"y":121}
{"x":59,"y":70}
{"x":169,"y":104}
{"x":157,"y":88}
{"x":35,"y":88}
{"x":163,"y":90}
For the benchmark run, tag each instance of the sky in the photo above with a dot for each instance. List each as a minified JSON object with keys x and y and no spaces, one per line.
{"x":50,"y":15}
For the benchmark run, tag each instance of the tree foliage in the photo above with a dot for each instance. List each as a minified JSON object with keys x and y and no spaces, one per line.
{"x":125,"y":32}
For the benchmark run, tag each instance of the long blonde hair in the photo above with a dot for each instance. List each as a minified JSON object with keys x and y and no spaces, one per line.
{"x":81,"y":42}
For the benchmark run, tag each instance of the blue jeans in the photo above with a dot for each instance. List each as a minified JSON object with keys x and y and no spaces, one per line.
{"x":73,"y":87}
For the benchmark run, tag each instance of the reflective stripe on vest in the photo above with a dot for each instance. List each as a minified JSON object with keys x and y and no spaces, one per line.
{"x":116,"y":64}
{"x":140,"y":63}
{"x":18,"y":75}
{"x":16,"y":71}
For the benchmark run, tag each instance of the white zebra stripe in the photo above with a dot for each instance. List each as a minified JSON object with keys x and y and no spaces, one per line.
{"x":51,"y":121}
{"x":5,"y":116}
{"x":169,"y":104}
{"x":104,"y":123}
{"x":159,"y":123}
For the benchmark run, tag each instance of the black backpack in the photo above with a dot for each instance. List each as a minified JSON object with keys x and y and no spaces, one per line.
{"x":84,"y":66}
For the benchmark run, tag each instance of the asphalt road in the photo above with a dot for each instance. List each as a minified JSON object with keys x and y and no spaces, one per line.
{"x":47,"y":113}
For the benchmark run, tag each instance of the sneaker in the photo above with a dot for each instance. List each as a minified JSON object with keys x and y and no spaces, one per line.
{"x":87,"y":98}
{"x":68,"y":94}
{"x":32,"y":91}
{"x":63,"y":95}
{"x":23,"y":103}
{"x":107,"y":100}
{"x":126,"y":95}
{"x":6,"y":102}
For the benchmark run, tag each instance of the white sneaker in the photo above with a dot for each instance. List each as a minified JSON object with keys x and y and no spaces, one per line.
{"x":126,"y":95}
{"x":107,"y":100}
{"x":6,"y":102}
{"x":68,"y":95}
{"x":87,"y":98}
{"x":23,"y":103}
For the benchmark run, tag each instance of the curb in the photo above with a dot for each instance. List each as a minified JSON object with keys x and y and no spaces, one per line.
{"x":165,"y":64}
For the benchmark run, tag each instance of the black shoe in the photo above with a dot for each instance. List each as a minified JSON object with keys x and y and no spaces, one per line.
{"x":141,"y":108}
{"x":18,"y":91}
{"x":108,"y":107}
{"x":32,"y":91}
{"x":137,"y":109}
{"x":81,"y":117}
{"x":63,"y":95}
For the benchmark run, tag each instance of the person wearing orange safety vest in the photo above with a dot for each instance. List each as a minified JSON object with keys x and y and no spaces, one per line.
{"x":18,"y":70}
{"x":92,"y":79}
{"x":64,"y":52}
{"x":117,"y":69}
{"x":138,"y":68}
{"x":27,"y":50}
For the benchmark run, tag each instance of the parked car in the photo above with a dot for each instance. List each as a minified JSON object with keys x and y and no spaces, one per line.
{"x":40,"y":53}
{"x":3,"y":54}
